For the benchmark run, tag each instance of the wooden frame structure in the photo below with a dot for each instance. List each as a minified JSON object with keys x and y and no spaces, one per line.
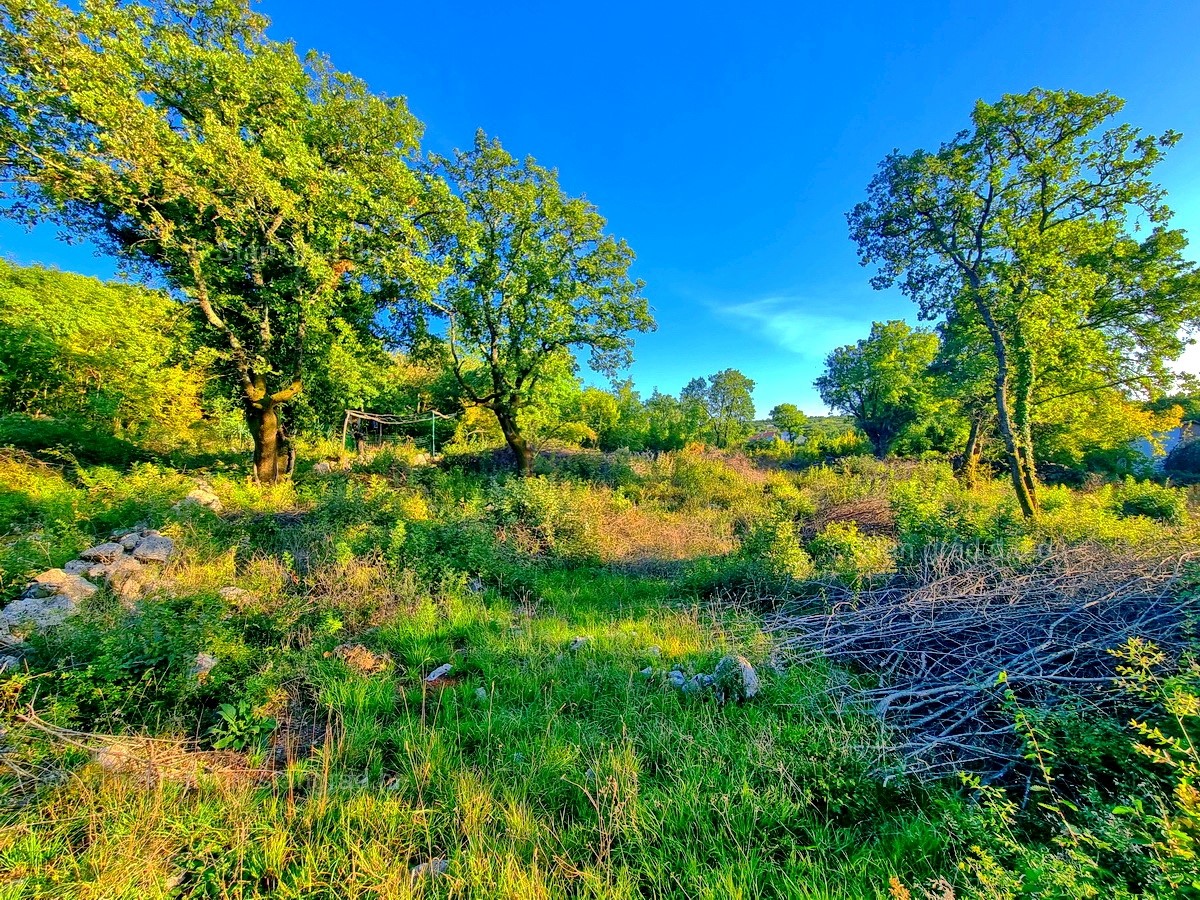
{"x":383,"y":420}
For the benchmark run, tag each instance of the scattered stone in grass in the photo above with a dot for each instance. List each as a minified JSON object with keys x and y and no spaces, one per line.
{"x":430,"y":869}
{"x":9,"y":662}
{"x":440,"y":672}
{"x":360,"y":659}
{"x":577,"y":643}
{"x":154,"y":547}
{"x":201,"y":496}
{"x":648,"y":671}
{"x":676,"y":678}
{"x":655,"y":650}
{"x":77,"y":567}
{"x":235,"y":595}
{"x":736,"y":679}
{"x":481,"y":694}
{"x":322,"y":468}
{"x":104,"y":553}
{"x":129,"y":541}
{"x":203,"y":664}
{"x":31,"y":614}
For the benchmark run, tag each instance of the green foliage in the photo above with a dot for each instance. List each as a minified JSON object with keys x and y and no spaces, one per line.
{"x":529,"y":274}
{"x":1145,"y":498}
{"x":1018,"y":234}
{"x":726,"y":404}
{"x":107,"y":357}
{"x":882,"y":381}
{"x":844,"y":552}
{"x":66,"y":440}
{"x":268,"y":189}
{"x":240,"y":728}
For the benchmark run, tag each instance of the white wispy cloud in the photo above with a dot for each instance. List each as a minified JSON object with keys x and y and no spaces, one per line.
{"x":807,"y":327}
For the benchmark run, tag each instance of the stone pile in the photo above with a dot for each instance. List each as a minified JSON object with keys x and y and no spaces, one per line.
{"x":127,"y":564}
{"x":733,"y":680}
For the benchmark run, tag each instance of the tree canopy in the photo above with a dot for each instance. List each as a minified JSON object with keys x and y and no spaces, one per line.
{"x":274,"y":193}
{"x":530,"y":277}
{"x":1024,"y":225}
{"x":882,"y":381}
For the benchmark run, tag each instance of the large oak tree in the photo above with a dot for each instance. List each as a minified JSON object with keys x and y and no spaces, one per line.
{"x":1023,"y":226}
{"x":272,"y":192}
{"x":531,"y":277}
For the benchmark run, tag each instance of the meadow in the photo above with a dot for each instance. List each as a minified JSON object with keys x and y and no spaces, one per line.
{"x":260,"y":724}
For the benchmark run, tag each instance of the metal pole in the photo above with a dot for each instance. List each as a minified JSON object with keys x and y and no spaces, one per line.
{"x":432,"y":434}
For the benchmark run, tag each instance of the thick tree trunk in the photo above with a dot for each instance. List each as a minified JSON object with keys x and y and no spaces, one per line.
{"x":1004,"y":416}
{"x":516,"y":441}
{"x":969,"y":467}
{"x":273,"y":453}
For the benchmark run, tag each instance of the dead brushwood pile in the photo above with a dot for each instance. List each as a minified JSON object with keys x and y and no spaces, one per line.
{"x":933,"y":644}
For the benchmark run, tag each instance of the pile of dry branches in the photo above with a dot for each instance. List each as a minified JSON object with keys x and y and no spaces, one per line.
{"x":934,"y":644}
{"x":872,"y":515}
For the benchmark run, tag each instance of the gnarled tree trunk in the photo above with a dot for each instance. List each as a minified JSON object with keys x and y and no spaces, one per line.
{"x":516,"y":441}
{"x":274,"y":456}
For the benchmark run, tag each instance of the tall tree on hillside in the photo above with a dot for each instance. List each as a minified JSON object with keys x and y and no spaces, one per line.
{"x":1023,"y":225}
{"x":790,"y":419}
{"x":531,"y":276}
{"x":882,"y":381}
{"x":273,"y":193}
{"x":726,"y":402}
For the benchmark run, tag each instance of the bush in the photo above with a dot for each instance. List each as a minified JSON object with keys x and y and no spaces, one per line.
{"x":1154,"y":501}
{"x":61,"y":438}
{"x":844,"y":552}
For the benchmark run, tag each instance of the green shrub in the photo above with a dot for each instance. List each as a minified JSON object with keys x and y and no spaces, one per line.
{"x":1154,"y":501}
{"x":66,"y":439}
{"x":841,"y":550}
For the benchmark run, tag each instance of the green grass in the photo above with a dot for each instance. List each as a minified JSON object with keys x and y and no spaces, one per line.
{"x":536,"y":770}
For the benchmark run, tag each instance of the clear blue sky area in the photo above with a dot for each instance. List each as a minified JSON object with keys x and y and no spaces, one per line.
{"x":726,"y":142}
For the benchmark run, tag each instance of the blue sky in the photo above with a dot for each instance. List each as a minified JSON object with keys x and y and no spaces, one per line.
{"x":726,"y":142}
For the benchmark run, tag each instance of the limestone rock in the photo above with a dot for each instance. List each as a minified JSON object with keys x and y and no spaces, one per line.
{"x":37,"y":613}
{"x":203,"y":664}
{"x":129,"y":541}
{"x":577,"y":643}
{"x":322,"y":468}
{"x":9,"y":662}
{"x":235,"y":595}
{"x":154,"y":547}
{"x":103,"y":553}
{"x":440,"y":672}
{"x":56,"y":581}
{"x":202,"y":496}
{"x":77,"y":567}
{"x":736,"y":678}
{"x":430,"y":869}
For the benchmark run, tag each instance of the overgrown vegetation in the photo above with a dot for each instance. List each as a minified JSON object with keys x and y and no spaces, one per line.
{"x":576,"y":642}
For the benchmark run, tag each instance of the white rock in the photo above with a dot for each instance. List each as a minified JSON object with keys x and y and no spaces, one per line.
{"x":104,"y":553}
{"x":56,"y":581}
{"x":481,"y":694}
{"x":129,"y":541}
{"x":200,"y":496}
{"x":430,"y":869}
{"x":77,"y":567}
{"x":440,"y":672}
{"x":9,"y":662}
{"x":736,"y":678}
{"x":203,"y":664}
{"x":235,"y":595}
{"x":577,"y":643}
{"x":154,"y":548}
{"x":38,"y":613}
